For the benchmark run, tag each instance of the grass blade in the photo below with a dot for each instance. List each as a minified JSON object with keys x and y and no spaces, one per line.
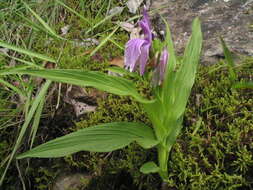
{"x":102,"y":21}
{"x":27,"y":52}
{"x":43,"y":23}
{"x":36,"y":121}
{"x":229,"y":60}
{"x":12,"y":87}
{"x":23,"y":61}
{"x":74,"y":12}
{"x":104,"y":41}
{"x":24,"y":127}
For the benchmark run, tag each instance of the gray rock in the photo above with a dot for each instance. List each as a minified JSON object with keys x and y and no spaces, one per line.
{"x":71,"y":181}
{"x":231,"y":19}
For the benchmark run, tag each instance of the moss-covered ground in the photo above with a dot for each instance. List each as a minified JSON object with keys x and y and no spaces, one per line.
{"x":214,"y":150}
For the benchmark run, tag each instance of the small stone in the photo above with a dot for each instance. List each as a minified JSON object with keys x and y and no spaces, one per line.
{"x":115,"y":10}
{"x":71,"y":181}
{"x":4,"y":51}
{"x":133,"y":5}
{"x":65,"y":29}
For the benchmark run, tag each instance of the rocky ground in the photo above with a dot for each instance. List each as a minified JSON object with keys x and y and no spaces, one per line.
{"x":231,"y":19}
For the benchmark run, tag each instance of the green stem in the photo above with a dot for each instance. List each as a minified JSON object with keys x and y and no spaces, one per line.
{"x":163,"y":156}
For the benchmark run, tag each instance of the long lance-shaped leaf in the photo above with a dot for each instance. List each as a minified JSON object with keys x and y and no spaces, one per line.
{"x":178,"y":94}
{"x":101,"y":138}
{"x":170,"y":70}
{"x":155,"y":113}
{"x":186,"y":75}
{"x":101,"y":81}
{"x":27,"y":52}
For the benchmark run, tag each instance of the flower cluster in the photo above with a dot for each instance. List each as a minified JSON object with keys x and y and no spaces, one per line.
{"x":137,"y":51}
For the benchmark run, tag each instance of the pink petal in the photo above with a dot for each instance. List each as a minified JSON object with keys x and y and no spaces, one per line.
{"x":146,"y":26}
{"x":144,"y":57}
{"x":146,"y":17}
{"x":163,"y":63}
{"x":133,"y":52}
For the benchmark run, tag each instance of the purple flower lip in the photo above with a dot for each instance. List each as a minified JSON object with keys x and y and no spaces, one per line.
{"x":137,"y":50}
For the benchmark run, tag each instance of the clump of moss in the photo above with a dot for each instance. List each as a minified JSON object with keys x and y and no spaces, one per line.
{"x":129,"y":159}
{"x":214,"y":150}
{"x":215,"y":155}
{"x":219,"y":154}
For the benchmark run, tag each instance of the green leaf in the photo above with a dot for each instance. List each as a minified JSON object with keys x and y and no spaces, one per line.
{"x":181,"y":86}
{"x":180,"y":90}
{"x":14,"y":88}
{"x":36,"y":121}
{"x":103,"y":42}
{"x":122,"y":71}
{"x":102,"y":21}
{"x":23,"y":61}
{"x":157,"y":45}
{"x":25,"y":125}
{"x":172,"y":62}
{"x":172,"y":98}
{"x":27,"y":52}
{"x":74,"y":12}
{"x":101,"y":138}
{"x":229,"y":60}
{"x":174,"y":132}
{"x":167,"y":97}
{"x":157,"y":111}
{"x":149,"y":167}
{"x":101,"y":81}
{"x":43,"y":23}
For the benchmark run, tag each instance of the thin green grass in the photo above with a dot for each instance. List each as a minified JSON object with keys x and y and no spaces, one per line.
{"x":26,"y":29}
{"x":27,"y":52}
{"x":74,"y":12}
{"x":28,"y":119}
{"x":233,"y":75}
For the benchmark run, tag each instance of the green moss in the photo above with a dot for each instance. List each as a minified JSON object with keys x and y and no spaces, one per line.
{"x":219,"y":155}
{"x":216,"y":155}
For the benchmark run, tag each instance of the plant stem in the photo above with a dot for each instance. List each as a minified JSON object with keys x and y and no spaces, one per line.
{"x":163,"y":156}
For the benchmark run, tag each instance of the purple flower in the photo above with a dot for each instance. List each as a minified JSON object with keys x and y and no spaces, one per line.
{"x":137,"y":50}
{"x":161,"y":68}
{"x":163,"y":63}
